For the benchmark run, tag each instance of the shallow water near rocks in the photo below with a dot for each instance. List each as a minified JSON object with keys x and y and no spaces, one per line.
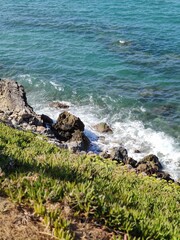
{"x":117,"y":62}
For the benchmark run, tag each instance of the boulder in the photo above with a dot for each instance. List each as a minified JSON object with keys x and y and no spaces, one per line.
{"x":119,"y":154}
{"x":102,"y":128}
{"x":66,"y":125}
{"x":58,"y":105}
{"x":46,"y":120}
{"x":69,"y":128}
{"x":149,"y":164}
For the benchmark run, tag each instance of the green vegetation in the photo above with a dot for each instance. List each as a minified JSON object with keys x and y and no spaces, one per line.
{"x":41,"y":176}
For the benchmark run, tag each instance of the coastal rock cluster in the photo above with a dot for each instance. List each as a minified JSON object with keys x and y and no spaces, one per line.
{"x":67,"y":131}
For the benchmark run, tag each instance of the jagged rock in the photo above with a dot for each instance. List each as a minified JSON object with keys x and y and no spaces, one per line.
{"x":14,"y":106}
{"x":119,"y":154}
{"x":66,"y":125}
{"x":70,"y":128}
{"x":13,"y":97}
{"x":149,"y":164}
{"x":102,"y":128}
{"x":58,"y":105}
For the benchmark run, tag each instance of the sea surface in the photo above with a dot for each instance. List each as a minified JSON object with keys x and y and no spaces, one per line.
{"x":113,"y":61}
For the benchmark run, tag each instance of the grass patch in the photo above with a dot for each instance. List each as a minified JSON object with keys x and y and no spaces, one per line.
{"x":40,"y":175}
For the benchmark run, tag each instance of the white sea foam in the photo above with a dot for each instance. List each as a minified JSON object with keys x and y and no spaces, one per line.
{"x":57,"y":86}
{"x":26,"y":78}
{"x":130,"y":134}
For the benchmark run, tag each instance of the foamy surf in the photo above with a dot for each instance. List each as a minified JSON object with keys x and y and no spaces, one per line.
{"x":128,"y":133}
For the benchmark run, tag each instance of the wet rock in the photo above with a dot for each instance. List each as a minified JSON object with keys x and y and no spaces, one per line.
{"x":149,"y":164}
{"x":49,"y":133}
{"x":102,"y":128}
{"x":46,"y":120}
{"x":137,"y":151}
{"x":58,"y":105}
{"x":119,"y":154}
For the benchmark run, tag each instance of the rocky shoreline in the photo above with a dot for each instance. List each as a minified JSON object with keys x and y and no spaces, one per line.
{"x":67,"y":131}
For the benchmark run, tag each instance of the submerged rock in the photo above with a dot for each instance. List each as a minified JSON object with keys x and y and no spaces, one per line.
{"x":102,"y":128}
{"x":58,"y":105}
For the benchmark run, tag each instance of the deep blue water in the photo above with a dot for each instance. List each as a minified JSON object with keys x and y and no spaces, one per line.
{"x":117,"y":61}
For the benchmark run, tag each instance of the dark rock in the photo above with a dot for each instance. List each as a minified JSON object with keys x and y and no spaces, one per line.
{"x":130,"y":161}
{"x":46,"y":120}
{"x":66,"y":125}
{"x":137,"y":151}
{"x":149,"y":164}
{"x":69,"y":129}
{"x":58,"y":105}
{"x":102,"y":128}
{"x":164,"y":175}
{"x":119,"y":154}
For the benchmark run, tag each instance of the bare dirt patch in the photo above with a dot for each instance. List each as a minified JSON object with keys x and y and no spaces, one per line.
{"x":17,"y":223}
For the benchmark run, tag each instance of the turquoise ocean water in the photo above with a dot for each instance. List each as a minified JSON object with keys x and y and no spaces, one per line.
{"x":113,"y":61}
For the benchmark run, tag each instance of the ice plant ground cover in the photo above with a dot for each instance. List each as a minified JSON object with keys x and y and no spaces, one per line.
{"x":39,"y":176}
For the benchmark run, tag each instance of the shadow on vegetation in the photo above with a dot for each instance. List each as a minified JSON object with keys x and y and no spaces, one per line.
{"x":10,"y":165}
